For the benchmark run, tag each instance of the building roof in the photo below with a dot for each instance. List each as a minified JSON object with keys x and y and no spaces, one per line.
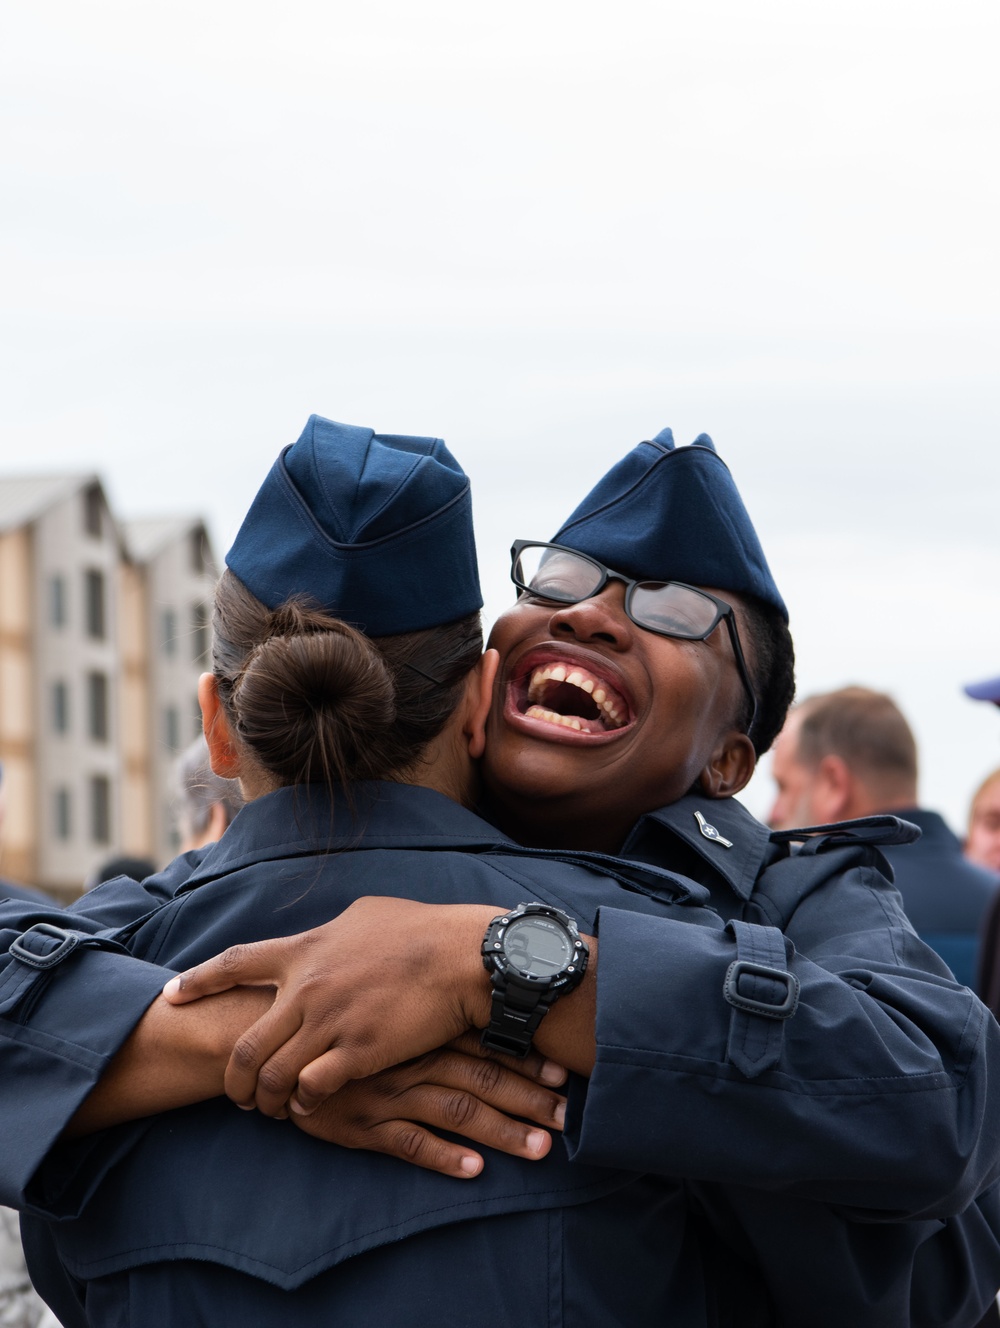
{"x":147,"y":536}
{"x":23,"y":498}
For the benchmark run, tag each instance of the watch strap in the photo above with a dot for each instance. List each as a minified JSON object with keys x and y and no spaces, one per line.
{"x":515,"y":1013}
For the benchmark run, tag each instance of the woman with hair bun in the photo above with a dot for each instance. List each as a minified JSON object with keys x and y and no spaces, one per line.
{"x":349,"y":696}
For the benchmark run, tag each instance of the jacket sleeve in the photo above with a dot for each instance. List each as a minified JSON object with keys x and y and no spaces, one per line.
{"x":813,"y":1266}
{"x":829,"y":1058}
{"x":70,"y":995}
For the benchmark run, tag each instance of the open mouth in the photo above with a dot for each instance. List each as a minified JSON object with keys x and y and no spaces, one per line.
{"x":565,"y":693}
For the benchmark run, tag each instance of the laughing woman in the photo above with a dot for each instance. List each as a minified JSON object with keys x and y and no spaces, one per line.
{"x":356,"y":751}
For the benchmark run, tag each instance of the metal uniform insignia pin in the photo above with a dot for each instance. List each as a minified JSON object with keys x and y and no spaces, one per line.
{"x":710,"y":832}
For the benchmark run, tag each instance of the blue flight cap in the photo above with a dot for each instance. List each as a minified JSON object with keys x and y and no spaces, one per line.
{"x":667,"y":513}
{"x":376,"y":529}
{"x":984,"y":691}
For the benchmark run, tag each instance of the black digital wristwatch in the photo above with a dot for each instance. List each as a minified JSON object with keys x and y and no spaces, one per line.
{"x":534,"y":955}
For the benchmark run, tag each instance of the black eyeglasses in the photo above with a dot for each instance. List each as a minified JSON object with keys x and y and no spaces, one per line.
{"x":668,"y":608}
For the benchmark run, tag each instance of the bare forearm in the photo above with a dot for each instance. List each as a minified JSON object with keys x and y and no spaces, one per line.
{"x":176,"y":1055}
{"x":567,"y":1034}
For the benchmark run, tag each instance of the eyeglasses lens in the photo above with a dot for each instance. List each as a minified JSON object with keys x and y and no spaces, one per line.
{"x":556,"y":574}
{"x":665,"y":607}
{"x":673,"y":610}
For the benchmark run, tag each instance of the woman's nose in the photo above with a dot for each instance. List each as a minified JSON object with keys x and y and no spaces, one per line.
{"x":600,"y":618}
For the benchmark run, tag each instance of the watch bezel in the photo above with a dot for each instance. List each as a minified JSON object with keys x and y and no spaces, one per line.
{"x":496,"y":961}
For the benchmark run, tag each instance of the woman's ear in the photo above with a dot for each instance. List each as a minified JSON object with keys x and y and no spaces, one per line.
{"x":730,"y":768}
{"x":223,"y":753}
{"x":480,"y":698}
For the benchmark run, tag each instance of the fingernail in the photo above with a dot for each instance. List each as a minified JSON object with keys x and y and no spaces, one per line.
{"x":535,"y":1141}
{"x":243,"y":1107}
{"x":470,"y":1165}
{"x":560,"y":1115}
{"x":299,"y":1109}
{"x":551,"y":1073}
{"x":173,"y":987}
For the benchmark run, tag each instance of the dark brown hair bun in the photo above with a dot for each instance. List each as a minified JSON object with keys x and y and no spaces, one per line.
{"x":314,"y":700}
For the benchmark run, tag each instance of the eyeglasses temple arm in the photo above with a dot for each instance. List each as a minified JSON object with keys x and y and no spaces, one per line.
{"x":741,"y":664}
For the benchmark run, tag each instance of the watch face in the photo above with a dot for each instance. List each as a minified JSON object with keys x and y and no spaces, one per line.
{"x":537,"y":946}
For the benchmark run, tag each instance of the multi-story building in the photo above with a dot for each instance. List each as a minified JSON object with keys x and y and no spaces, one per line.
{"x":172,"y":560}
{"x":96,"y":697}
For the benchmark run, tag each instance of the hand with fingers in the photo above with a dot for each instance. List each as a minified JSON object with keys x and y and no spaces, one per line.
{"x":330,"y":1021}
{"x":461,"y":1089}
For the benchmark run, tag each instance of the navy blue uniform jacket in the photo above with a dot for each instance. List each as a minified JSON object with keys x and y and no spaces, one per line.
{"x":869,"y":1092}
{"x":945,"y":895}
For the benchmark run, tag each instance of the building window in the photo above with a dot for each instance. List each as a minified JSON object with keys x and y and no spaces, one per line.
{"x":171,"y":728}
{"x":100,"y":809}
{"x":92,"y":510}
{"x":168,"y":632}
{"x":64,"y":822}
{"x":60,"y":707}
{"x":199,"y":551}
{"x":97,"y":706}
{"x":57,"y":601}
{"x":199,"y":634}
{"x":93,"y":594}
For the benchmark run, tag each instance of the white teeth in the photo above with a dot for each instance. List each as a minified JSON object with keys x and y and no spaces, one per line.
{"x":575,"y":677}
{"x":567,"y":721}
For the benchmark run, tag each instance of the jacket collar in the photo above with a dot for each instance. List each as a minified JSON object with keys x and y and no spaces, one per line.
{"x":302,"y":820}
{"x":721,"y":831}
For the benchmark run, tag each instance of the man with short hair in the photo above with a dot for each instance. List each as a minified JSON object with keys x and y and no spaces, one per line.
{"x":851,"y":753}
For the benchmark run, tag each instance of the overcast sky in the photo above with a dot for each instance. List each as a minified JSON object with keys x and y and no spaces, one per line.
{"x":542,"y":231}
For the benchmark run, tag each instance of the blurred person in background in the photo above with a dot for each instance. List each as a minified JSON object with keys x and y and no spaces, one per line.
{"x":988,"y":690}
{"x":850,"y":753}
{"x":982,"y":846}
{"x":205,"y":803}
{"x":121,"y":864}
{"x":982,"y":839}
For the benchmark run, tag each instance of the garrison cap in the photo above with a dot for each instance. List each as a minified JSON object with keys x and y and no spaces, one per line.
{"x":984,"y":691}
{"x":375,"y":528}
{"x":667,"y":513}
